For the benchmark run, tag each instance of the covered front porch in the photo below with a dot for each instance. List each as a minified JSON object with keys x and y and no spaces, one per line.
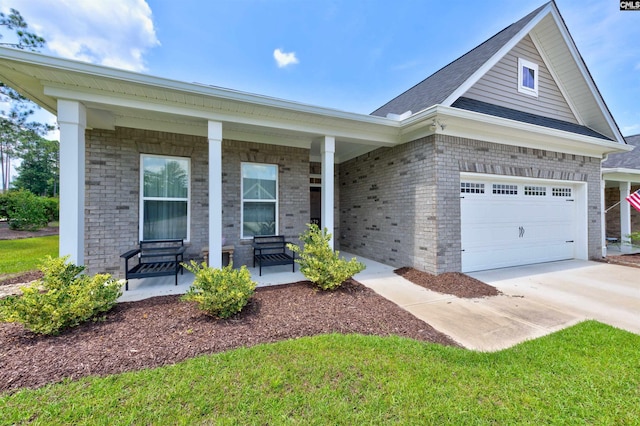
{"x":620,"y":218}
{"x":273,"y":275}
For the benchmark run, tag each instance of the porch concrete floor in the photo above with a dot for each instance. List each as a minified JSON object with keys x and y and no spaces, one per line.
{"x":537,"y":299}
{"x":164,"y":286}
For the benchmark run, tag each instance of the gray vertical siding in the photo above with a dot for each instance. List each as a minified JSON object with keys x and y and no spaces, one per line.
{"x":499,"y":86}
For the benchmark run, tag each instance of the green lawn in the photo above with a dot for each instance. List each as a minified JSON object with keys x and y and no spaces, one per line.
{"x":26,"y":254}
{"x":588,"y":374}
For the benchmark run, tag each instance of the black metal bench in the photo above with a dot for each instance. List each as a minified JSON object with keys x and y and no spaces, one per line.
{"x":156,"y":258}
{"x":270,"y":251}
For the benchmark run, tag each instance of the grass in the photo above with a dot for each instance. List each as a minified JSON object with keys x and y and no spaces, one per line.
{"x":587,"y":374}
{"x":26,"y":254}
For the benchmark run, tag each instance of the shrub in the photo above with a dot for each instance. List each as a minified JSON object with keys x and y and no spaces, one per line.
{"x":24,"y":210}
{"x":4,"y":205}
{"x":319,"y":263}
{"x":52,"y":208}
{"x":219,"y":292}
{"x":62,"y":298}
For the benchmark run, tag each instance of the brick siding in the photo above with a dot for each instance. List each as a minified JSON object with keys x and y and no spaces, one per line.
{"x":112,"y":189}
{"x":401,"y":205}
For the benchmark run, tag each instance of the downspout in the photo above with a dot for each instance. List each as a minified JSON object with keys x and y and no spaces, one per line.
{"x":603,"y":212}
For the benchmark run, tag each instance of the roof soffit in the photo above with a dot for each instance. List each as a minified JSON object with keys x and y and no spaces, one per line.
{"x":473,"y":125}
{"x":46,"y":79}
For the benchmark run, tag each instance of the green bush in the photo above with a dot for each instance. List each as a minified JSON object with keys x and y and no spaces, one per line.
{"x":4,"y":205}
{"x":62,"y":298}
{"x":24,"y":210}
{"x":52,"y":208}
{"x":319,"y":263}
{"x":219,"y":292}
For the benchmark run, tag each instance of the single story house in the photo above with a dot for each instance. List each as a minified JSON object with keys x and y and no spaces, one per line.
{"x":493,"y":161}
{"x":621,"y":176}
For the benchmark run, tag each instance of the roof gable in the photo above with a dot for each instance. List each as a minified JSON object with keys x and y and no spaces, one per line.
{"x":499,"y":86}
{"x":551,"y":37}
{"x":439,"y":86}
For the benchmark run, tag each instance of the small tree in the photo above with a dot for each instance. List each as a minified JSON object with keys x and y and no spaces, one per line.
{"x":319,"y":263}
{"x":38,"y":171}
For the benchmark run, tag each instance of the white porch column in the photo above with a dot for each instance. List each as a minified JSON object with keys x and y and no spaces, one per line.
{"x":328,"y":150}
{"x":72,"y":119}
{"x":625,"y":217}
{"x":215,"y":194}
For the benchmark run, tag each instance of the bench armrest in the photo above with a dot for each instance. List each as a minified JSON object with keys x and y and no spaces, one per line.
{"x":130,"y":253}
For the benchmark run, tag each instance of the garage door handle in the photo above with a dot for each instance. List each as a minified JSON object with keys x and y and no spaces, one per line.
{"x":521,"y":228}
{"x":570,"y":241}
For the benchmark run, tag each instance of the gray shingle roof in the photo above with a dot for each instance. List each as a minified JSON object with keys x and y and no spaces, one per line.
{"x":439,"y":86}
{"x":524,"y":117}
{"x":625,"y":160}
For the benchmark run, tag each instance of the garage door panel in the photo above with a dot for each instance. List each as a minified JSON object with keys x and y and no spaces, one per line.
{"x":500,"y":230}
{"x":505,"y":256}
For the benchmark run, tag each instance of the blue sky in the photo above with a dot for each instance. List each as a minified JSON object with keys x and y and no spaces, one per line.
{"x":352,"y":55}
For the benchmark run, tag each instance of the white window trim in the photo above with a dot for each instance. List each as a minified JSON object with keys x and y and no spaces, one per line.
{"x":523,"y":89}
{"x":143,"y":198}
{"x":242,"y":199}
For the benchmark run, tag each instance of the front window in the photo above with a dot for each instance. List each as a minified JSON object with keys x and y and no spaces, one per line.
{"x":165,"y":197}
{"x":259,"y":199}
{"x":527,"y":77}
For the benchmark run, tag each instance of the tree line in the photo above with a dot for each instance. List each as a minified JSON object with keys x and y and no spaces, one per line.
{"x":22,"y":138}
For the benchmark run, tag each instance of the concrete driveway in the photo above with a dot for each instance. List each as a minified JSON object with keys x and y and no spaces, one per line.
{"x":537,"y":300}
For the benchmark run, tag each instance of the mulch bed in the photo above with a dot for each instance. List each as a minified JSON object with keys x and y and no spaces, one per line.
{"x":624,"y":259}
{"x":164,"y":330}
{"x":21,"y":278}
{"x":455,"y":283}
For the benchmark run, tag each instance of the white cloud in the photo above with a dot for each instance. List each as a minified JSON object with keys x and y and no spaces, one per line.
{"x":115,"y":33}
{"x":284,"y":59}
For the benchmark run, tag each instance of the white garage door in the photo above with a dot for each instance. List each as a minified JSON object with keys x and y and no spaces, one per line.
{"x":510,"y":223}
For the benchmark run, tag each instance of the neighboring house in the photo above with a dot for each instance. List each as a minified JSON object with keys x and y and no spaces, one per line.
{"x":495,"y":160}
{"x":621,"y":175}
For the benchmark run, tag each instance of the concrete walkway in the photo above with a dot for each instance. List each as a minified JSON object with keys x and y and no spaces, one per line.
{"x":537,"y":300}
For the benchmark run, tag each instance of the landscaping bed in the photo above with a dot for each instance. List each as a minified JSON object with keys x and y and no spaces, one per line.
{"x":624,"y":259}
{"x":455,"y":283}
{"x":163,"y":330}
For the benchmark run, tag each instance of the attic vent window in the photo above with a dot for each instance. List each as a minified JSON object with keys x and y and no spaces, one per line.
{"x":527,"y":77}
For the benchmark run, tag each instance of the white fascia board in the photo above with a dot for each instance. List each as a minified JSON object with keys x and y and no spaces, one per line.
{"x":584,"y":71}
{"x":480,"y":72}
{"x":474,"y":125}
{"x":99,"y":71}
{"x":621,"y":174}
{"x":383,"y":134}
